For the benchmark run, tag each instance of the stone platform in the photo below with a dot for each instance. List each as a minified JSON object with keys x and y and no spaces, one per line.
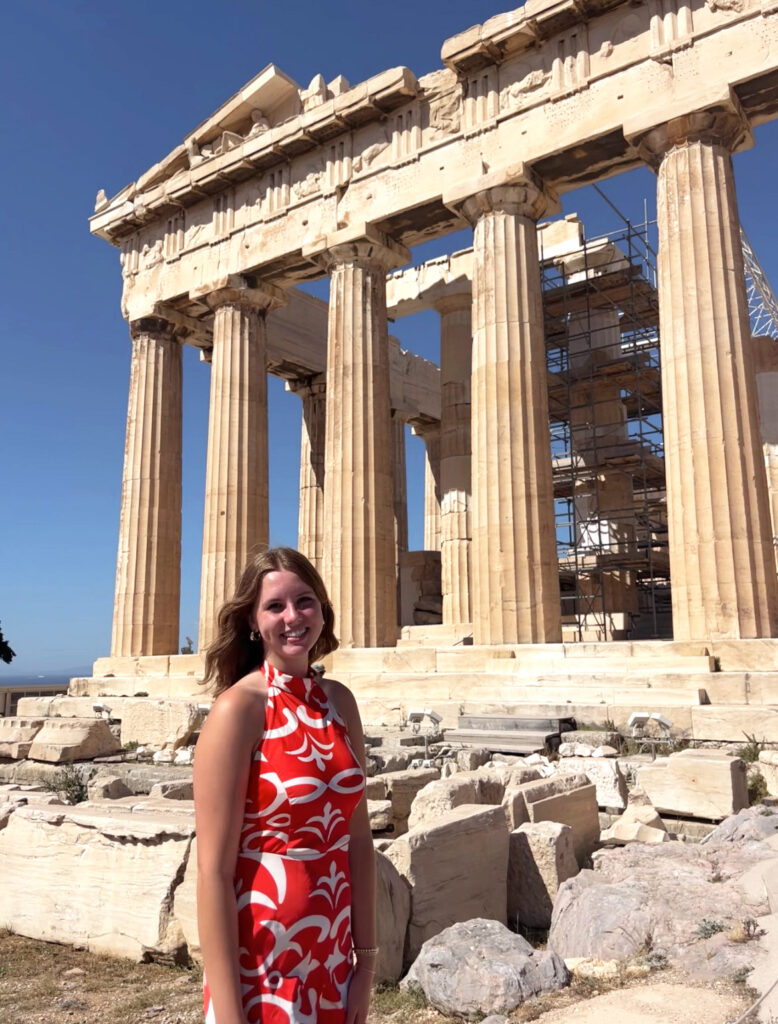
{"x":716,"y":690}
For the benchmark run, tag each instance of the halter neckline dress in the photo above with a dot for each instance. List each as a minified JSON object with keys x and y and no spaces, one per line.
{"x":292,"y":878}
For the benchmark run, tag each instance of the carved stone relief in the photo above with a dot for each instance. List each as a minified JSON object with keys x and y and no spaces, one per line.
{"x":516,"y":95}
{"x":445,"y":105}
{"x":311,"y":181}
{"x":364,"y":160}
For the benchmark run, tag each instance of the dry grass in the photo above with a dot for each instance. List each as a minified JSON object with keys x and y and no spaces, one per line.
{"x":44,"y":983}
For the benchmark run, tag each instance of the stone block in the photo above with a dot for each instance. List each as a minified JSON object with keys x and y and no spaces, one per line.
{"x":566,"y":798}
{"x":642,"y":814}
{"x":17,"y":735}
{"x":99,"y":878}
{"x":471,"y":758}
{"x":698,"y":783}
{"x":375,"y":788}
{"x":622,"y":832}
{"x":185,"y":904}
{"x":187,"y":665}
{"x":108,"y":787}
{"x":401,"y":789}
{"x":161,"y":724}
{"x":441,"y":796}
{"x":592,"y":737}
{"x":174,"y":789}
{"x":393,"y":911}
{"x":609,"y":782}
{"x":457,"y":869}
{"x":379,"y":813}
{"x":540,"y":858}
{"x":730,"y":724}
{"x":62,"y":740}
{"x":107,"y":667}
{"x":34,"y":707}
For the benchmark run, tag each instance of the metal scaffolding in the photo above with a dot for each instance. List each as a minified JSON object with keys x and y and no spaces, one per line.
{"x":602,"y":341}
{"x":762,"y":304}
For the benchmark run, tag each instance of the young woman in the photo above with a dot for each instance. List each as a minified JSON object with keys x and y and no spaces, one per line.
{"x":286,"y":869}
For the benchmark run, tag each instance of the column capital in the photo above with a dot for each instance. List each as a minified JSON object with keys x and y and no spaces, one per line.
{"x":154,"y":325}
{"x":454,"y":301}
{"x":362,"y":243}
{"x":721,"y":123}
{"x":427,"y":430}
{"x":516,"y":189}
{"x":308,"y":387}
{"x":236,"y":290}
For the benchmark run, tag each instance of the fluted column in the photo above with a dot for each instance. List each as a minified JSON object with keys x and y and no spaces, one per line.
{"x":721,"y":557}
{"x":456,"y":343}
{"x":310,"y":529}
{"x":400,"y":486}
{"x":148,"y":580}
{"x":766,"y":366}
{"x":359,"y":554}
{"x":430,"y":435}
{"x":236,"y":488}
{"x":515,"y":593}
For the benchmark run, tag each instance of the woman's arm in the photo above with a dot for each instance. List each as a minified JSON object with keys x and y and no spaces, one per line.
{"x":221,"y":771}
{"x":361,"y":856}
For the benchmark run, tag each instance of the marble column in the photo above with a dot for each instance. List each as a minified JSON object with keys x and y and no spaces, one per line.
{"x":766,"y":367}
{"x":148,"y":580}
{"x":431,"y":437}
{"x":359,"y":554}
{"x":721,"y":554}
{"x":310,"y":529}
{"x":515,"y":574}
{"x":456,"y":343}
{"x":236,"y":486}
{"x":400,"y":488}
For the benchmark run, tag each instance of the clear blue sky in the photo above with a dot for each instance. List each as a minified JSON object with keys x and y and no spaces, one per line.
{"x":93,"y":93}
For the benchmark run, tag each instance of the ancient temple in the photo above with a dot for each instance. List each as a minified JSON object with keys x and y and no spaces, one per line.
{"x":285,"y":184}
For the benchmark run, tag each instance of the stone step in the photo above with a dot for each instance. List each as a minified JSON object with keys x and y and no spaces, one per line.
{"x":602,"y":666}
{"x":734,"y":723}
{"x":715,"y":688}
{"x":506,"y":741}
{"x":616,"y":658}
{"x":165,"y":687}
{"x":517,"y":723}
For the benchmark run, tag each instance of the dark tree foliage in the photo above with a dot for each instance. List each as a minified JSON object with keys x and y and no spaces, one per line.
{"x":6,"y":654}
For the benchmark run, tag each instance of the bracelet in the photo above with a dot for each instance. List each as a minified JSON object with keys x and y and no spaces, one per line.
{"x":371,"y":951}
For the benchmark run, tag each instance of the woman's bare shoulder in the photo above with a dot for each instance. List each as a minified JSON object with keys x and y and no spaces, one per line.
{"x":238,"y":708}
{"x":334,"y":689}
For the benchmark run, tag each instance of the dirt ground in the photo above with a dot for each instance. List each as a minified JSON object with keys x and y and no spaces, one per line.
{"x":43,"y":983}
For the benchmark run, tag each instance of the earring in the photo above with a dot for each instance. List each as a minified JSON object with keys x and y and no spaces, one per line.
{"x":255,"y":637}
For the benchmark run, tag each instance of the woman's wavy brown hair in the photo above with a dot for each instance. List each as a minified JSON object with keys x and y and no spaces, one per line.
{"x":232,"y":654}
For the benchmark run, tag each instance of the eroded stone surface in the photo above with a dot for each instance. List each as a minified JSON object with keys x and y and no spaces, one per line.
{"x":61,"y":740}
{"x":479,"y":966}
{"x":92,"y":848}
{"x":457,"y":868}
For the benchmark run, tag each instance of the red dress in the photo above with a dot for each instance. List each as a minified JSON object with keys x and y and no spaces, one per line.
{"x":292,"y":874}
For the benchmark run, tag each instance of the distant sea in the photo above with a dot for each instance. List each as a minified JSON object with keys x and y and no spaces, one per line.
{"x":12,"y":678}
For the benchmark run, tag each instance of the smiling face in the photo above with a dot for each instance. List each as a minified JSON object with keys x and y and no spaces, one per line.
{"x":288,"y":617}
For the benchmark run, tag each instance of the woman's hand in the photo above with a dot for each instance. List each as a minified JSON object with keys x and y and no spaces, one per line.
{"x":359,"y":995}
